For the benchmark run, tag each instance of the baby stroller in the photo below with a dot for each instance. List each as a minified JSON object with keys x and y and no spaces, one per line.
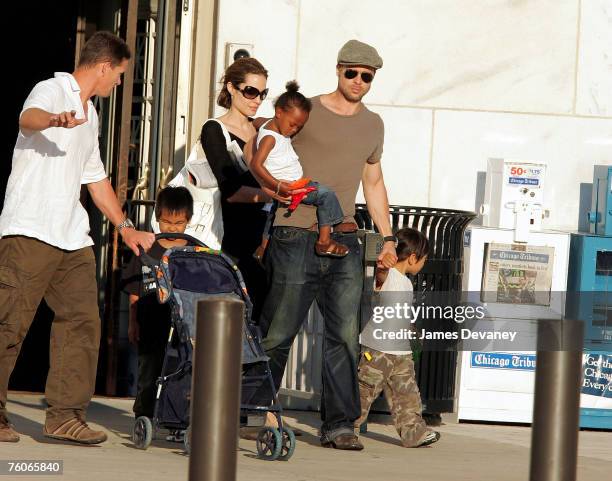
{"x":185,"y":275}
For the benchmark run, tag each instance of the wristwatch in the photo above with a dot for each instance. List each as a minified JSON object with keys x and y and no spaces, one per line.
{"x":125,"y":223}
{"x":390,"y":238}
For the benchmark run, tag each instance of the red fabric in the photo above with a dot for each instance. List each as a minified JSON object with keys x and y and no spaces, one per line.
{"x":297,"y":198}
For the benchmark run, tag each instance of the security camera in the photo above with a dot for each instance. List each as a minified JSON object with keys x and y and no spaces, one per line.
{"x":241,"y":53}
{"x":235,"y":51}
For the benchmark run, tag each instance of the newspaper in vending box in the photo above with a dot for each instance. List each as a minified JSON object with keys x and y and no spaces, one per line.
{"x":517,"y":274}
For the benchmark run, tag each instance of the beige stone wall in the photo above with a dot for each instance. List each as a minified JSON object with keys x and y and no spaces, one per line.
{"x":462,"y":81}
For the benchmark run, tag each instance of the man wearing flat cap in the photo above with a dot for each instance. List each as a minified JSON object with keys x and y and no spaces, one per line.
{"x":340,"y":146}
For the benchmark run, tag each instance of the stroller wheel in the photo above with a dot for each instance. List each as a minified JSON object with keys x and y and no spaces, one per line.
{"x":142,"y":433}
{"x":187,"y":440}
{"x":287,"y":445}
{"x":269,"y":443}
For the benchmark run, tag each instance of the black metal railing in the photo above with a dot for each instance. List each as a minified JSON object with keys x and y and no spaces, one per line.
{"x":442,"y":272}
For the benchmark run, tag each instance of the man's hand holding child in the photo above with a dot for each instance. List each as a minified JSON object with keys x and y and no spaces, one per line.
{"x":386,"y":260}
{"x":388,"y":256}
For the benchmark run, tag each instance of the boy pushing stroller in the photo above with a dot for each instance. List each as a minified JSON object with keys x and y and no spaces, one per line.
{"x":149,"y":322}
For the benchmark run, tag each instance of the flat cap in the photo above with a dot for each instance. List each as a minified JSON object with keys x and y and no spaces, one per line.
{"x":355,"y":52}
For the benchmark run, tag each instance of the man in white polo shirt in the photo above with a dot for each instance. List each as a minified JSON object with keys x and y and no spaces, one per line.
{"x":45,"y":248}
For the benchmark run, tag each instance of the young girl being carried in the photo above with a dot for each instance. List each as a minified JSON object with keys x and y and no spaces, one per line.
{"x":277,"y":167}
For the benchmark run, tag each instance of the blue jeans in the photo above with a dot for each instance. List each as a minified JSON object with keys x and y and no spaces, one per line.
{"x":298,"y":277}
{"x":329,"y":211}
{"x":324,"y":199}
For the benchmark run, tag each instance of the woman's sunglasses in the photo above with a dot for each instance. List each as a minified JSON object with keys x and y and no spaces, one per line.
{"x":252,"y":93}
{"x":367,"y":77}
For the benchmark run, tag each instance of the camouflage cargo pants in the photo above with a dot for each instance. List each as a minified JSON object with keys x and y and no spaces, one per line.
{"x":393,"y":374}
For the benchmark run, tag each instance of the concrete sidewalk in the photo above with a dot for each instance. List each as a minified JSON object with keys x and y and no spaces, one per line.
{"x":466,"y":452}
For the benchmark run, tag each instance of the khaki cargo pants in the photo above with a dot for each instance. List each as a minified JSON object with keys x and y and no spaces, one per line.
{"x":29,"y":271}
{"x":393,"y":374}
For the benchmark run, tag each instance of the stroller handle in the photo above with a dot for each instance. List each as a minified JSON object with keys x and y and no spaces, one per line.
{"x":147,"y":260}
{"x":166,"y":235}
{"x":187,"y":237}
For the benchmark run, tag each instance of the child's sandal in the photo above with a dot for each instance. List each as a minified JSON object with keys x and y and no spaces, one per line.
{"x":333,"y":249}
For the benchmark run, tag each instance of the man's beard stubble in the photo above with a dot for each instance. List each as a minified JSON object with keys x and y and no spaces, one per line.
{"x":350,"y":97}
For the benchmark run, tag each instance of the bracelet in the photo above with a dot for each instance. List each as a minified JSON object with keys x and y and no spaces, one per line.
{"x":277,"y":188}
{"x":126,"y":223}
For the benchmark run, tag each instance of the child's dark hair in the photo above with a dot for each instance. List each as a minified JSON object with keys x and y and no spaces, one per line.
{"x":292,"y":98}
{"x":174,"y":200}
{"x":411,"y":241}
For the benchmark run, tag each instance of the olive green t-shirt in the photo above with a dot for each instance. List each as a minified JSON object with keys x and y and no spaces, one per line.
{"x":333,"y":150}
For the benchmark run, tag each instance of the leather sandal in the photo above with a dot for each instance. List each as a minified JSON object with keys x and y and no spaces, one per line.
{"x":348,"y":442}
{"x":333,"y":249}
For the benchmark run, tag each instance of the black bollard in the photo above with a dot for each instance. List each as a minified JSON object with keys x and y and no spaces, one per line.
{"x":215,"y":403}
{"x":556,"y":412}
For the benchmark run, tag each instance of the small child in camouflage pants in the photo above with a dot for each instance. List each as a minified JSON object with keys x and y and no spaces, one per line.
{"x":386,"y":365}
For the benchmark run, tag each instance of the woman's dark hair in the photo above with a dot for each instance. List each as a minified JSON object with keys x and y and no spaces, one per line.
{"x":174,"y":200}
{"x":292,"y":98}
{"x":104,"y":47}
{"x":235,"y":74}
{"x":411,"y":241}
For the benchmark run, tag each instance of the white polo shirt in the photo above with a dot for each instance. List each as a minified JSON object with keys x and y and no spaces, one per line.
{"x":49,"y":167}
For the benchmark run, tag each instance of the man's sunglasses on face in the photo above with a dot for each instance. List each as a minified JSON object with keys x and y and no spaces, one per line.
{"x":252,"y":93}
{"x":367,"y":77}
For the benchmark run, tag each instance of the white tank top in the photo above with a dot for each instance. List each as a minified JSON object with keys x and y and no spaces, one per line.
{"x":282,"y":162}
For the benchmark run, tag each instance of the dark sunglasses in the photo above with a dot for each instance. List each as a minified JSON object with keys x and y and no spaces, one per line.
{"x":367,"y":77}
{"x":252,"y":93}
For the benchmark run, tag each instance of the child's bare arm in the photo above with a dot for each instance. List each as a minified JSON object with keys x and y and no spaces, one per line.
{"x":133,"y":328}
{"x":380,"y":277}
{"x":262,"y":174}
{"x":381,"y":272}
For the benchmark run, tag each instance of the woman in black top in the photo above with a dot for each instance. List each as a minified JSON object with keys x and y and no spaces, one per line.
{"x":242,"y":200}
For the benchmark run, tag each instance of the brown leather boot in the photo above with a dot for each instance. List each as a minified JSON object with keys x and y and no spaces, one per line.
{"x":345,"y":441}
{"x":7,"y":433}
{"x":75,"y":430}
